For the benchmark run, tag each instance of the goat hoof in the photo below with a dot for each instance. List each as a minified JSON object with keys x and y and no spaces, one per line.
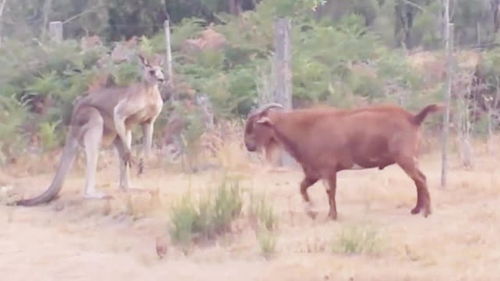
{"x":310,"y":210}
{"x":332,"y":216}
{"x":427,"y":212}
{"x":312,"y":215}
{"x":415,"y":210}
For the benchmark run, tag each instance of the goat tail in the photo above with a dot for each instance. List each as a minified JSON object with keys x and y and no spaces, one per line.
{"x":420,"y":117}
{"x":65,"y":164}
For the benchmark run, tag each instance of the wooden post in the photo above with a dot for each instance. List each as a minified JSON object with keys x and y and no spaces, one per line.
{"x":168,"y":55}
{"x":283,"y":69}
{"x":282,"y":62}
{"x":449,"y":72}
{"x":56,"y":31}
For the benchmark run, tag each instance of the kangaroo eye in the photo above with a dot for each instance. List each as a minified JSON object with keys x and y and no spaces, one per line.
{"x":152,"y":72}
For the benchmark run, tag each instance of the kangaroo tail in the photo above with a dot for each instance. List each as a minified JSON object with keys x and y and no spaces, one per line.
{"x":68,"y":156}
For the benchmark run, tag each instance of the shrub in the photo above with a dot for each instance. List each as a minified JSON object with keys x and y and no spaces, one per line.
{"x":265,"y":222}
{"x":262,"y":213}
{"x":357,"y":240}
{"x":48,"y":135}
{"x":12,"y":115}
{"x":267,"y":242}
{"x":206,"y":218}
{"x":183,"y":218}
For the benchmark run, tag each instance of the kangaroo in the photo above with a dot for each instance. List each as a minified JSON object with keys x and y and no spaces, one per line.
{"x":105,"y":117}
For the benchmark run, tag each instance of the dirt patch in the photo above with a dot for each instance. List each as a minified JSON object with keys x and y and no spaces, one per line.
{"x":75,"y":239}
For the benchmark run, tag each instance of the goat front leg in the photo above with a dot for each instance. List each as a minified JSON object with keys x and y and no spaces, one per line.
{"x":304,"y":185}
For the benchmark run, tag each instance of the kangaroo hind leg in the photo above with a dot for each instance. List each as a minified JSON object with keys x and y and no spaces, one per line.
{"x":91,"y":138}
{"x":147,"y":130}
{"x":124,"y":168}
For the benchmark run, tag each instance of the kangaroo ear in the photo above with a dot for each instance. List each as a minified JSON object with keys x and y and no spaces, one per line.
{"x":159,"y":60}
{"x":264,"y":120}
{"x":144,"y":61}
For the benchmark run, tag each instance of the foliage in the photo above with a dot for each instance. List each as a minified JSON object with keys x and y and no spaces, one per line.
{"x":125,"y":73}
{"x":39,"y":83}
{"x":206,"y":218}
{"x":265,"y":222}
{"x":262,"y":213}
{"x":267,"y":242}
{"x":357,"y":240}
{"x":342,"y":53}
{"x":12,"y":115}
{"x":120,"y":19}
{"x":48,"y":135}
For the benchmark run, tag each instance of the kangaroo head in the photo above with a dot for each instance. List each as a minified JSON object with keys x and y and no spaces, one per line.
{"x":152,"y":70}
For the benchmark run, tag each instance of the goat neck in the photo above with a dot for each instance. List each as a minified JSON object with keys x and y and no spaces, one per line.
{"x":285,"y":128}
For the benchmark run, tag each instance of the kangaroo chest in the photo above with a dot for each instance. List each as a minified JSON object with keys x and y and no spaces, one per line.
{"x":149,"y":107}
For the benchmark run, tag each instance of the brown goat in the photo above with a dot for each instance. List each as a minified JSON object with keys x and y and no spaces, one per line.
{"x":327,"y":140}
{"x":265,"y":140}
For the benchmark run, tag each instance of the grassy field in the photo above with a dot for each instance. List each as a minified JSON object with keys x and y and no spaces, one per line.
{"x":375,"y":237}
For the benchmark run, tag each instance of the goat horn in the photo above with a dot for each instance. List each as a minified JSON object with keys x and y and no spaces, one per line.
{"x":266,"y":107}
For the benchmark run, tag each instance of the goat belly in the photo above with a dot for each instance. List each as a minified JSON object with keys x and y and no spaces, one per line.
{"x":369,"y":163}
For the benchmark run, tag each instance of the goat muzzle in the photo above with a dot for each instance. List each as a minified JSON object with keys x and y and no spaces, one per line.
{"x":251,"y":147}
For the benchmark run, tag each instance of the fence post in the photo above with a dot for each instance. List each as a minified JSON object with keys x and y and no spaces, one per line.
{"x":56,"y":31}
{"x":282,"y":62}
{"x":283,"y":69}
{"x":168,"y":55}
{"x":449,"y":30}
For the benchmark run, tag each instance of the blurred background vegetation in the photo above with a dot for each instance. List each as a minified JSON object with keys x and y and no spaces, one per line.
{"x":345,"y":53}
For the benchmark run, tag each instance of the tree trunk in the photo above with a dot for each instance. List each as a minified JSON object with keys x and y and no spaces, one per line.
{"x":495,"y":5}
{"x":47,"y":6}
{"x":2,"y":7}
{"x":168,"y":61}
{"x":235,"y":7}
{"x":449,"y":70}
{"x":404,"y":22}
{"x":465,"y":107}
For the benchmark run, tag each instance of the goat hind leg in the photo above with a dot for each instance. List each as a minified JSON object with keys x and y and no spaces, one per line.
{"x":331,"y":191}
{"x":409,"y":165}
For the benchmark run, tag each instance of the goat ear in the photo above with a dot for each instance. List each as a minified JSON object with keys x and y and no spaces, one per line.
{"x":265,"y":121}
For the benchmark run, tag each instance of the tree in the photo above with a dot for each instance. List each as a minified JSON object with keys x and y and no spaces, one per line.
{"x":2,"y":7}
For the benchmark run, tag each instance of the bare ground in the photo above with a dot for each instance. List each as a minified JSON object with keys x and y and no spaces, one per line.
{"x":75,"y":239}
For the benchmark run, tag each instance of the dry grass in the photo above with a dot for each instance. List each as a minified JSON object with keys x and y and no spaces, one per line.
{"x":115,"y":239}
